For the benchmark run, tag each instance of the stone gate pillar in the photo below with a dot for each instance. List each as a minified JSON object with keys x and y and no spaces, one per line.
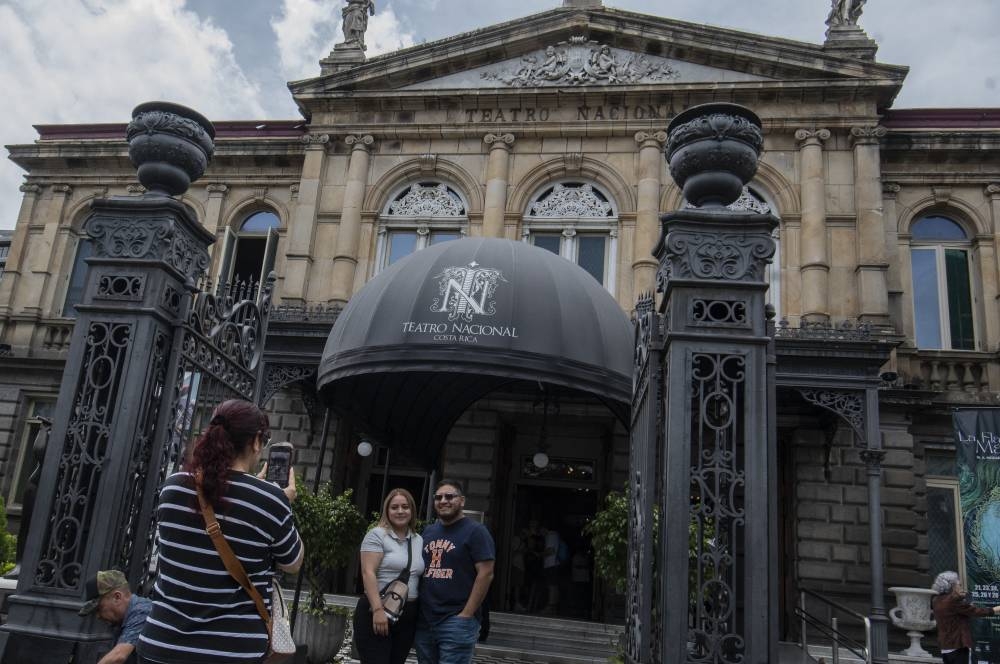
{"x":97,"y":488}
{"x":717,"y":589}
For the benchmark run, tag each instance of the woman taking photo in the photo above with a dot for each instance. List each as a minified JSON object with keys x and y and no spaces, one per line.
{"x":384,"y":554}
{"x":200,"y":612}
{"x":953,"y":613}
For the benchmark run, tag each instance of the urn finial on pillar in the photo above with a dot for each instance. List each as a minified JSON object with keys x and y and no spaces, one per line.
{"x":170,"y":145}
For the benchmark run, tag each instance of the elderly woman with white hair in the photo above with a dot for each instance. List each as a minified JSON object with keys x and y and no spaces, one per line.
{"x":952,"y":611}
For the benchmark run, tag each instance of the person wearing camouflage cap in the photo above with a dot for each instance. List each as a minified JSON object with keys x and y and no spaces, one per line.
{"x":109,"y":596}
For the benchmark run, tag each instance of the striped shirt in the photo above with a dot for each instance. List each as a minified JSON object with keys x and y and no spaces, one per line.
{"x":200,"y":613}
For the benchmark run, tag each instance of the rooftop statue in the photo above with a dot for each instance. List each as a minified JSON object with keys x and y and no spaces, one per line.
{"x":356,"y":14}
{"x":845,"y":13}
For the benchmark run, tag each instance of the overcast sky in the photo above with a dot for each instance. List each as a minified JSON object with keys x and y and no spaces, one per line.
{"x":70,"y":61}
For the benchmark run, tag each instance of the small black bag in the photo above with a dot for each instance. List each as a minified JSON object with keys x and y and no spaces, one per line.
{"x":394,"y":593}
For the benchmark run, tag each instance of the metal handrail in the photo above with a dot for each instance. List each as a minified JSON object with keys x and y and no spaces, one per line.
{"x":837,"y":638}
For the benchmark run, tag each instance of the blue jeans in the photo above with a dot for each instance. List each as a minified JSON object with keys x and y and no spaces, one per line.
{"x":451,"y":641}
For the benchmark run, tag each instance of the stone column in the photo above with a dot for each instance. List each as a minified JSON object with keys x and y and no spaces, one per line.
{"x":213,"y":210}
{"x":496,"y":183}
{"x":346,"y":259}
{"x":989,"y":254}
{"x":302,"y":225}
{"x":873,"y":292}
{"x":815,"y":262}
{"x":647,"y":216}
{"x":18,"y":245}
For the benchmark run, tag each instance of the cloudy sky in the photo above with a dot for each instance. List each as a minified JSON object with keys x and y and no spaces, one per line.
{"x":69,"y":61}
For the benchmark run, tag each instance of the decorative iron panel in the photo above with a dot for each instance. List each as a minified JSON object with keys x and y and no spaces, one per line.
{"x":718,"y":519}
{"x":83,"y":455}
{"x":139,"y":466}
{"x":645,"y":438}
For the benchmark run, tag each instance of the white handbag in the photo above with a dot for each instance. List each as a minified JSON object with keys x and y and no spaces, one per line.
{"x":281,"y":628}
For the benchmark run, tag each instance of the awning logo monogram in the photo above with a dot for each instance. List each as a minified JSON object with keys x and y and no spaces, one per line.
{"x":467,"y":291}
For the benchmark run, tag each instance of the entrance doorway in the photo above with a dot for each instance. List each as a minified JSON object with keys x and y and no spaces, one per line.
{"x":549,"y":561}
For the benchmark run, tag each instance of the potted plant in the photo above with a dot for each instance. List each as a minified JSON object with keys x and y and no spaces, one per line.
{"x":331,"y":528}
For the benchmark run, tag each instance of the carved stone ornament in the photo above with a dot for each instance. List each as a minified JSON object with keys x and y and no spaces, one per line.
{"x":315,"y":140}
{"x":217,"y":188}
{"x":845,"y":12}
{"x":170,"y":145}
{"x":33,"y":189}
{"x":729,"y":257}
{"x":580,"y":61}
{"x":868,"y":134}
{"x":565,"y":201}
{"x":158,"y":239}
{"x":574,"y":163}
{"x":993,"y":189}
{"x":360,"y":142}
{"x":135,"y":188}
{"x":747,"y":202}
{"x":890,"y":189}
{"x":63,"y":189}
{"x":428,"y":163}
{"x":651,"y":139}
{"x":812,"y":136}
{"x":427,"y":201}
{"x":499,"y":140}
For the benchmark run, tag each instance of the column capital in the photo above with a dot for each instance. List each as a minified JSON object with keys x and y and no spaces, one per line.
{"x":993,"y":190}
{"x":651,"y":139}
{"x":364,"y":142}
{"x":217,"y":189}
{"x":890,"y":189}
{"x":315,"y":141}
{"x":812,"y":136}
{"x":868,"y":134}
{"x":502,"y":141}
{"x":63,"y":189}
{"x":32,"y":189}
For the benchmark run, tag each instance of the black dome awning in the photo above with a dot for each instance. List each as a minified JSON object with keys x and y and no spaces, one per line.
{"x":447,"y":325}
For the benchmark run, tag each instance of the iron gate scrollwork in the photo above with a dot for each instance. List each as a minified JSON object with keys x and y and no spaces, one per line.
{"x":717,"y":510}
{"x":81,"y":462}
{"x":641,"y":632}
{"x":217,"y":356}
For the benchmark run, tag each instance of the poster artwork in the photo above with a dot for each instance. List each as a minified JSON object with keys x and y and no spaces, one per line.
{"x":977,"y":432}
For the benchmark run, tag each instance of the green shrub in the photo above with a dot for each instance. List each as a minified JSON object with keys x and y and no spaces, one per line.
{"x":8,"y":542}
{"x":331,"y":528}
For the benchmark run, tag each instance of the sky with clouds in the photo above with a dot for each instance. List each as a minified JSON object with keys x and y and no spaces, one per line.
{"x":71,"y":61}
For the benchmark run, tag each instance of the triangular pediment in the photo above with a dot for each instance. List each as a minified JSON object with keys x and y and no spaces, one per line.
{"x":597,"y":47}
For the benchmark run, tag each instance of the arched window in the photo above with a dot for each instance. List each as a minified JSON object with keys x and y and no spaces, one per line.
{"x":942,"y":290}
{"x":249,"y":252}
{"x":578,"y":221}
{"x":77,"y":277}
{"x":417,"y":216}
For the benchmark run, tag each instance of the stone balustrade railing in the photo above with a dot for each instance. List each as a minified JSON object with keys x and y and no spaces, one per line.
{"x":947,"y":370}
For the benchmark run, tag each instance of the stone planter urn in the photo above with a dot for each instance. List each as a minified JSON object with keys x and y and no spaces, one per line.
{"x":712,"y":150}
{"x":170,"y":145}
{"x":913,"y":613}
{"x":322,"y":635}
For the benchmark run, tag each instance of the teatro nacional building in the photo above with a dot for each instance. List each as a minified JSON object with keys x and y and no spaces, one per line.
{"x":549,"y":131}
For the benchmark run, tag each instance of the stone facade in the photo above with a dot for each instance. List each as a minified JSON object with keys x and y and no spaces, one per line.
{"x":848,"y":176}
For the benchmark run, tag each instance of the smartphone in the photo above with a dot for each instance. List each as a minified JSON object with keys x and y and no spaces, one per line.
{"x":279,"y":460}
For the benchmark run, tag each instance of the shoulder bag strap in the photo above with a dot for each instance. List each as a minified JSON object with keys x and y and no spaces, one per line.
{"x":229,"y":559}
{"x":405,"y":576}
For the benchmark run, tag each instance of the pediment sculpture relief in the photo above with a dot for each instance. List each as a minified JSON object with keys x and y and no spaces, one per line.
{"x":582,"y":62}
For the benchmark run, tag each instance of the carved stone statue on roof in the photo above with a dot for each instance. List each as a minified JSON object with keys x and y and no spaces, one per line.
{"x":356,"y":13}
{"x":845,"y":13}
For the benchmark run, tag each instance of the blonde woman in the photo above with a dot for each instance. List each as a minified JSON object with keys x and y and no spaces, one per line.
{"x":384,"y":552}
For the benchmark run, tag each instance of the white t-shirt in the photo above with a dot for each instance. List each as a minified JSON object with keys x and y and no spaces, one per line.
{"x":393,"y":550}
